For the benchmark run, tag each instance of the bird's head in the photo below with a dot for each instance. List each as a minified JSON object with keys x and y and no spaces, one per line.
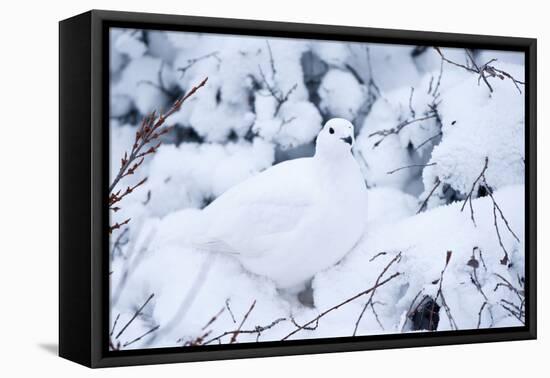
{"x":336,"y":137}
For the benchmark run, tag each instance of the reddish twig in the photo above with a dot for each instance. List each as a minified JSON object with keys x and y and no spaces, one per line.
{"x":236,"y":334}
{"x":213,"y":319}
{"x":200,"y":339}
{"x":256,"y":330}
{"x":150,"y":130}
{"x":118,"y":225}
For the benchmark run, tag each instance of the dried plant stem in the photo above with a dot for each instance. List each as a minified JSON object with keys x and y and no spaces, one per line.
{"x":136,"y":314}
{"x":336,"y":307}
{"x":469,"y":197}
{"x":484,"y":71}
{"x":425,"y":202}
{"x":146,"y":142}
{"x":236,"y":334}
{"x":370,"y":300}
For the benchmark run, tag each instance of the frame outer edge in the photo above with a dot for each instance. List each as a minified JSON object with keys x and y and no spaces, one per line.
{"x":75,"y":79}
{"x":98,"y":165}
{"x":97,"y":288}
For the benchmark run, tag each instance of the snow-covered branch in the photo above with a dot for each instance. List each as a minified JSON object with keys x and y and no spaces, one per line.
{"x":484,"y":71}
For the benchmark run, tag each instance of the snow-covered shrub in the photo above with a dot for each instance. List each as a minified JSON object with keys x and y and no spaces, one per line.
{"x":425,"y":126}
{"x":479,"y":124}
{"x":399,"y":132}
{"x":341,"y":94}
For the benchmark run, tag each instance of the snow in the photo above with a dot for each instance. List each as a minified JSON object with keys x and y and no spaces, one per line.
{"x":235,"y":127}
{"x":140,"y":82}
{"x":170,"y":270}
{"x":500,"y":119}
{"x":341,"y":94}
{"x":129,"y":44}
{"x":297,"y":123}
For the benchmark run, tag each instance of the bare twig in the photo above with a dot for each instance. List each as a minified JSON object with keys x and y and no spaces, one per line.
{"x":398,"y":128}
{"x":229,"y":309}
{"x":256,"y":330}
{"x":484,"y":71}
{"x":200,"y":339}
{"x":377,"y":255}
{"x":520,"y":293}
{"x":336,"y":307}
{"x":440,"y":293}
{"x":120,"y":242}
{"x":474,"y":264}
{"x":236,"y":334}
{"x":437,"y":85}
{"x":370,"y":300}
{"x":150,"y":130}
{"x":142,"y":336}
{"x":307,"y":328}
{"x":425,"y":202}
{"x":118,"y":196}
{"x":413,"y":113}
{"x":497,"y":208}
{"x":409,"y":311}
{"x":277,"y":93}
{"x":161,"y":86}
{"x":373,"y":91}
{"x":428,"y":140}
{"x":114,"y":325}
{"x":482,"y":180}
{"x":410,"y":166}
{"x":136,"y":314}
{"x":191,"y":62}
{"x":485,"y":303}
{"x":213,"y":319}
{"x":118,"y":225}
{"x":468,"y":198}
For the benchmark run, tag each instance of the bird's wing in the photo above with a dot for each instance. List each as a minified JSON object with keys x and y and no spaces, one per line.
{"x":253,"y":216}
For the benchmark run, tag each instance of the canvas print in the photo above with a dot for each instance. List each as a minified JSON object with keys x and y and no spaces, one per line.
{"x":273,"y":189}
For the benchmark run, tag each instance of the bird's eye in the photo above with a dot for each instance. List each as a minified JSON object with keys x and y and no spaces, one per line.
{"x":331,"y":130}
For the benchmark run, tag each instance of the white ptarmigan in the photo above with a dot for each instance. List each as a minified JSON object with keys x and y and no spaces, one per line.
{"x":296,"y":218}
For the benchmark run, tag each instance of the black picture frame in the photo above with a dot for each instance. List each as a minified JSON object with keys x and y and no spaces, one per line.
{"x":83,"y":166}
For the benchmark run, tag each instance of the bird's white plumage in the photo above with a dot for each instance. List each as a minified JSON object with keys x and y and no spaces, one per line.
{"x":296,"y":218}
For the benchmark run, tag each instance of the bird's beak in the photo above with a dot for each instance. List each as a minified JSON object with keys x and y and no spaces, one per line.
{"x":348,"y":140}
